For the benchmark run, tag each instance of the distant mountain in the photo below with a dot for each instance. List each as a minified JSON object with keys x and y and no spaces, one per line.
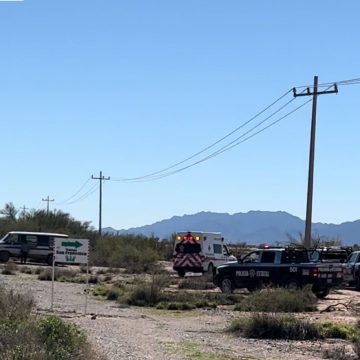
{"x":254,"y":227}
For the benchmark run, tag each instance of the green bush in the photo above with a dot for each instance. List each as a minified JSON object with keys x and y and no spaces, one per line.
{"x":25,"y":270}
{"x":62,"y":340}
{"x":273,"y":326}
{"x":339,"y":331}
{"x":278,"y":300}
{"x":22,"y":336}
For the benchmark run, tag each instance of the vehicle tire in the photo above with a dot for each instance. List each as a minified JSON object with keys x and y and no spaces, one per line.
{"x":293,"y":284}
{"x":4,"y":256}
{"x":210,"y":272}
{"x":357,"y":282}
{"x":226,"y":285}
{"x":181,"y":273}
{"x":49,"y":260}
{"x":321,"y":294}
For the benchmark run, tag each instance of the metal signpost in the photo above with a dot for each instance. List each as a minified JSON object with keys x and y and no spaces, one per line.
{"x":71,"y":251}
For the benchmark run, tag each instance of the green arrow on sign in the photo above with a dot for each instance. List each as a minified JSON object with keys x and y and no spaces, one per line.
{"x":74,"y":244}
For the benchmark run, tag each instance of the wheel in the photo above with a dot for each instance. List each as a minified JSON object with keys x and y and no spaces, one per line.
{"x":4,"y":256}
{"x":321,"y":294}
{"x":293,"y":284}
{"x":49,"y":260}
{"x":210,"y":272}
{"x":226,"y":285}
{"x":357,"y":283}
{"x":181,"y":273}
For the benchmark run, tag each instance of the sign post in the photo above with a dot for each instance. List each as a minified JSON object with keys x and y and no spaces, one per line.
{"x":73,"y":252}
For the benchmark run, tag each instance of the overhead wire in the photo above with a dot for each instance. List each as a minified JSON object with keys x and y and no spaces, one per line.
{"x":229,"y":146}
{"x":150,"y":175}
{"x":75,"y":194}
{"x":92,"y":189}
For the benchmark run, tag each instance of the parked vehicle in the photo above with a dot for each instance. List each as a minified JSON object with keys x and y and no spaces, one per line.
{"x":331,"y":254}
{"x":288,"y":267}
{"x":352,"y":271}
{"x":199,"y":252}
{"x":40,"y":245}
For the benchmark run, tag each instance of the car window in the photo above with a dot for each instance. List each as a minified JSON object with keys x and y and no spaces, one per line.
{"x":252,"y":257}
{"x":268,"y":257}
{"x":217,"y":249}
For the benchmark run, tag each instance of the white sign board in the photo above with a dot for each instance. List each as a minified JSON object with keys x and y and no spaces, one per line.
{"x":71,"y":251}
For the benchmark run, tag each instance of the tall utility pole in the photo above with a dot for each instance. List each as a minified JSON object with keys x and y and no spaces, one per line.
{"x":100,"y":178}
{"x":24,"y":208}
{"x":314,"y":93}
{"x":48,"y":201}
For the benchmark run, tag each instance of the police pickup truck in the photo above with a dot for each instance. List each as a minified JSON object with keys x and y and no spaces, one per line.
{"x":288,"y":267}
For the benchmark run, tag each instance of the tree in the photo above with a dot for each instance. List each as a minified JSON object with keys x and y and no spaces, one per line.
{"x":10,"y":212}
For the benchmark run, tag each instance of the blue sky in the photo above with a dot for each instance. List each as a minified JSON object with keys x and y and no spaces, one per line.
{"x":132,"y":87}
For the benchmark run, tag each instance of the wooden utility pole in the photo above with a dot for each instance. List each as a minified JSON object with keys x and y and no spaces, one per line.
{"x":48,"y":201}
{"x":314,"y":93}
{"x":100,"y":178}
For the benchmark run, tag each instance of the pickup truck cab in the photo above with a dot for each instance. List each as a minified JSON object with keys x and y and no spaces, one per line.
{"x":280,"y":267}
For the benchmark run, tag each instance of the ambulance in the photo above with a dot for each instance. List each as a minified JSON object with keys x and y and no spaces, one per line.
{"x":199,"y":252}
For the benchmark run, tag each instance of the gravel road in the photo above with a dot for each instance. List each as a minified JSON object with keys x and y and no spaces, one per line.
{"x":140,"y":333}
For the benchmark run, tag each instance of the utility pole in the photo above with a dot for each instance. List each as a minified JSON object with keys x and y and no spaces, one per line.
{"x":314,"y":93}
{"x":24,"y":208}
{"x":48,"y":201}
{"x":100,"y":178}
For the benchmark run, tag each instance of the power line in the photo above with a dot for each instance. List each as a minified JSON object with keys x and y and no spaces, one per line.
{"x":227,"y":147}
{"x":93,"y":188}
{"x":153,"y":174}
{"x":76,"y":193}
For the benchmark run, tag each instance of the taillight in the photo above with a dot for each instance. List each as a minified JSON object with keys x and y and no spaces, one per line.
{"x":314,"y":272}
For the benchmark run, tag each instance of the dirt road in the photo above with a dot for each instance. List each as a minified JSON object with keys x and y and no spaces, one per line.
{"x":142,"y":333}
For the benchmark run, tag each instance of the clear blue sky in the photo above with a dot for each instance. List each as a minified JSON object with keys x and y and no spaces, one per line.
{"x":131,"y":87}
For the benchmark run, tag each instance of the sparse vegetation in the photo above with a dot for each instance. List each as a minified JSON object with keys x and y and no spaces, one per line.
{"x":9,"y":269}
{"x":278,"y":300}
{"x":274,"y":326}
{"x":23,"y":336}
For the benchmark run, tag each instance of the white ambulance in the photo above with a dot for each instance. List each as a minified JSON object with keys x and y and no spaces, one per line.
{"x":199,"y":252}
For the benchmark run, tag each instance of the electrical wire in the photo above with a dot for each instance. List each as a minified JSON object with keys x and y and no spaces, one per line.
{"x":76,"y":193}
{"x":228,"y":146}
{"x":94,"y":188}
{"x":150,"y":175}
{"x":354,"y":81}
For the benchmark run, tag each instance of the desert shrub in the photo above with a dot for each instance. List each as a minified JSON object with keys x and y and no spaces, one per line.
{"x":9,"y":269}
{"x":100,"y":291}
{"x":197,"y":283}
{"x":136,"y":253}
{"x":46,"y":275}
{"x":339,"y":331}
{"x":62,"y":340}
{"x":63,"y":275}
{"x":336,"y":353}
{"x":25,"y":270}
{"x":273,"y":326}
{"x":180,"y":306}
{"x":278,"y":300}
{"x":14,"y":306}
{"x":356,"y":348}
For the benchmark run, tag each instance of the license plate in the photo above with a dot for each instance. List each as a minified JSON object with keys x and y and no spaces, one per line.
{"x":329,"y":281}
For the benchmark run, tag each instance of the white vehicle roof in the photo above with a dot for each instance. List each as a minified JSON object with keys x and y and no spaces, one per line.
{"x":36,"y":233}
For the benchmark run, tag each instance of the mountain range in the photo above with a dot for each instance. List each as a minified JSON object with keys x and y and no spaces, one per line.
{"x":253,"y":227}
